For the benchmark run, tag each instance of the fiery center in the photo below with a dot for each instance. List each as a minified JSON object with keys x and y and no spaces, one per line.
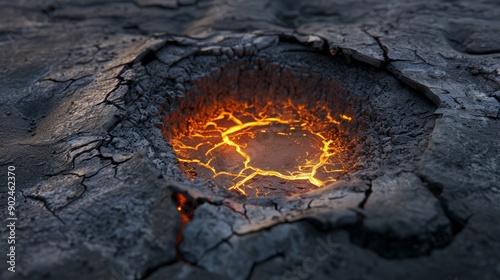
{"x":266,"y":149}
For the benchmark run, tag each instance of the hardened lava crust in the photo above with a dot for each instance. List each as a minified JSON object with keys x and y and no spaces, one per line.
{"x":382,"y":128}
{"x":396,"y":176}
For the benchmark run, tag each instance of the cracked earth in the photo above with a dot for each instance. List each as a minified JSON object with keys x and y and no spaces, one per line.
{"x":86,"y":87}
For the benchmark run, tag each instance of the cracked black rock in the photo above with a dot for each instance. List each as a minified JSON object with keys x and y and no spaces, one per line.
{"x":87,"y":87}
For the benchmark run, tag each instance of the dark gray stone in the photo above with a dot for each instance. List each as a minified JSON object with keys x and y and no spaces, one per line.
{"x":86,"y":85}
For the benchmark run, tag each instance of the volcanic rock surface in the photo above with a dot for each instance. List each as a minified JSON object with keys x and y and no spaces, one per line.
{"x":86,"y":87}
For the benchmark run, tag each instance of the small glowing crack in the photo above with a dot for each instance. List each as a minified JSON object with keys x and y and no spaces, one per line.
{"x":237,"y":143}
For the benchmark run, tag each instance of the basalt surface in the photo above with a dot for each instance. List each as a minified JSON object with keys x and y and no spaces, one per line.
{"x":93,"y":92}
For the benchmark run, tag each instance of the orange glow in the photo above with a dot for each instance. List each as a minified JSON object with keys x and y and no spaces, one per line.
{"x":185,"y":209}
{"x":237,"y":144}
{"x":345,"y":117}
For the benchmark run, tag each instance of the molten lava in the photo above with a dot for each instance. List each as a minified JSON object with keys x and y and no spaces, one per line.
{"x":184,"y":208}
{"x":257,"y":150}
{"x":186,"y":212}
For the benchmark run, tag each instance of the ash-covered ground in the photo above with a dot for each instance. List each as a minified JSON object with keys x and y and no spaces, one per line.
{"x":87,"y":85}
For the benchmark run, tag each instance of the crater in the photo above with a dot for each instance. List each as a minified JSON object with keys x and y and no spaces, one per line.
{"x":265,"y":138}
{"x":253,"y":122}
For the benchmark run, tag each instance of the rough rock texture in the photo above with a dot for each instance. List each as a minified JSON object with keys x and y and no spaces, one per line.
{"x":85,"y":87}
